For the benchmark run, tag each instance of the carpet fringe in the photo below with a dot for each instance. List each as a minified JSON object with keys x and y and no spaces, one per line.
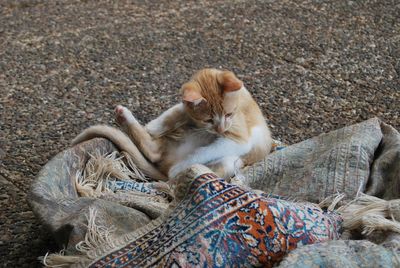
{"x":370,"y":214}
{"x":365,"y":213}
{"x":59,"y":260}
{"x":100,"y":169}
{"x":96,"y":235}
{"x":331,"y":202}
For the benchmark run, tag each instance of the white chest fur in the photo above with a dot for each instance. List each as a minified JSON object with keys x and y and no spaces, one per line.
{"x":189,"y":152}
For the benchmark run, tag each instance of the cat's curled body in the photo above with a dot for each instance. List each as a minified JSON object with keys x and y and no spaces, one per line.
{"x":218,"y":124}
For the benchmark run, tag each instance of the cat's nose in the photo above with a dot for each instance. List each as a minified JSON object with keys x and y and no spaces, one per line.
{"x":220,"y":129}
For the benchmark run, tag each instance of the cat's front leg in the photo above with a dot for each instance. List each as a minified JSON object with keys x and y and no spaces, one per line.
{"x":216,"y":151}
{"x":137,"y":133}
{"x":177,"y":169}
{"x":226,"y":167}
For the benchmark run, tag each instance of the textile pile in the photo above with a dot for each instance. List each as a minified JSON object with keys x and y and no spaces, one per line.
{"x":330,"y":200}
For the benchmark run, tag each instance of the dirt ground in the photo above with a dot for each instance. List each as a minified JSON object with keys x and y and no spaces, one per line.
{"x":313,"y":66}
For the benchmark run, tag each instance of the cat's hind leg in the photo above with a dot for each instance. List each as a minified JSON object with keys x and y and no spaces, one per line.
{"x":137,"y":133}
{"x":169,"y":120}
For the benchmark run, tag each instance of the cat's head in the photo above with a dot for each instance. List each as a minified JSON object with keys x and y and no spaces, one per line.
{"x":211,"y":99}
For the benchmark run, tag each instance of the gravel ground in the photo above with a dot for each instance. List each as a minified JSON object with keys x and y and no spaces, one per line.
{"x":312,"y":65}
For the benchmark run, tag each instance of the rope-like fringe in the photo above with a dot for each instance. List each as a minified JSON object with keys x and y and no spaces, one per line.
{"x":331,"y":202}
{"x":370,"y":214}
{"x":56,"y":260}
{"x":100,"y":169}
{"x":96,"y":235}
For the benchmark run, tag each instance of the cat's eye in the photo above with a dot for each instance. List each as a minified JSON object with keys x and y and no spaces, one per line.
{"x":209,"y":120}
{"x":228,"y":115}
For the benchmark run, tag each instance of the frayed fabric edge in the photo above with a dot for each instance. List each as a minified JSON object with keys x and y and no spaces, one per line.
{"x":100,"y":169}
{"x":365,"y":213}
{"x":59,"y":260}
{"x":369,"y":214}
{"x":98,"y":238}
{"x":97,"y":235}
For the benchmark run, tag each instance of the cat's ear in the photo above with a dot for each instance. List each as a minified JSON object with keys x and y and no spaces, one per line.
{"x":229,"y":82}
{"x":191,"y":95}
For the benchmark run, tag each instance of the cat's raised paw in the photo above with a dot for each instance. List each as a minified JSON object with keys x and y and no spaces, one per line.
{"x":123,"y":115}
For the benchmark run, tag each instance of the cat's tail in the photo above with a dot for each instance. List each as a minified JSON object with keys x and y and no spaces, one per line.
{"x":124,"y":143}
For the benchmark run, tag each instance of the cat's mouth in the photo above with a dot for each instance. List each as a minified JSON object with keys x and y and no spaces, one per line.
{"x":219,"y":132}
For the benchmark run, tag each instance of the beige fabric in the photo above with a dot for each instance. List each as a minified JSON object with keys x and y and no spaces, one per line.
{"x":332,"y":163}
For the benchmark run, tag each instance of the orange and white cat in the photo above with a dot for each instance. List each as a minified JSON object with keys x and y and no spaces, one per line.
{"x":217,"y":124}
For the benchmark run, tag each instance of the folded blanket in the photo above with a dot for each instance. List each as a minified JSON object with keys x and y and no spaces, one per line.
{"x":109,"y":221}
{"x":335,"y":162}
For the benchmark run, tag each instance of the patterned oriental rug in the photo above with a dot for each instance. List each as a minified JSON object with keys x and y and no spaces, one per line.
{"x":105,"y":213}
{"x":221,"y":225}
